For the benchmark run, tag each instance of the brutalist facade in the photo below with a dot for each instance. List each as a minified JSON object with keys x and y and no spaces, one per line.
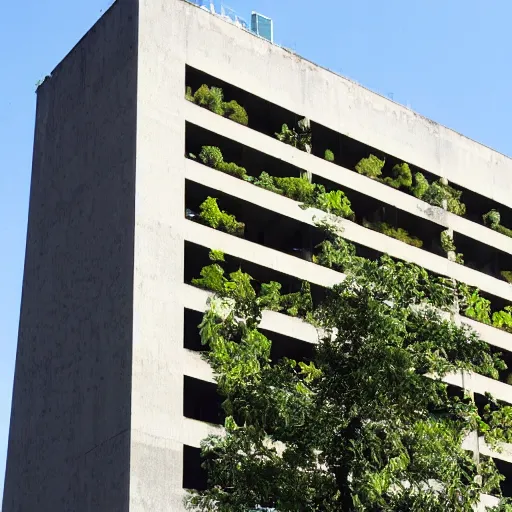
{"x":111,"y":397}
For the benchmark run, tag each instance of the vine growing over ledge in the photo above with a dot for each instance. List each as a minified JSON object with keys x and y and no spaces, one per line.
{"x":213,"y":99}
{"x":346,"y":429}
{"x":492,"y":219}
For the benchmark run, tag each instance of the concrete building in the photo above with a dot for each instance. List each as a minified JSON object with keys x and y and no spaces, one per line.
{"x":111,"y":397}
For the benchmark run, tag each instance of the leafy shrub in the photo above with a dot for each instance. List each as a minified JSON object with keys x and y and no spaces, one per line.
{"x":334,"y":252}
{"x":267,"y":182}
{"x":335,"y":202}
{"x":434,"y":195}
{"x":371,"y":167}
{"x":437,"y":192}
{"x":202,"y":96}
{"x":212,"y":216}
{"x":310,"y":195}
{"x":299,"y":138}
{"x":232,"y":169}
{"x":270,"y":296}
{"x":402,"y":176}
{"x":503,"y":319}
{"x":507,"y":275}
{"x":420,"y":185}
{"x":478,"y":308}
{"x":298,"y":303}
{"x":287,"y":136}
{"x":492,"y":220}
{"x":398,"y":233}
{"x":213,"y":99}
{"x":329,"y":155}
{"x":216,"y":255}
{"x":211,"y":156}
{"x":455,"y":205}
{"x":448,"y":246}
{"x":234,"y":111}
{"x":299,"y":189}
{"x":212,"y":276}
{"x":238,"y":286}
{"x":447,"y":242}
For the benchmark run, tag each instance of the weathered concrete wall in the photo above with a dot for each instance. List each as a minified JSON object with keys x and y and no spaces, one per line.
{"x":158,"y":427}
{"x":70,"y":439}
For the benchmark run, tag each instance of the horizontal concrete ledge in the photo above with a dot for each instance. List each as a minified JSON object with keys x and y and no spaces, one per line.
{"x":496,"y":337}
{"x":487,"y":501}
{"x":481,"y":385}
{"x":196,"y":299}
{"x":290,"y":265}
{"x":260,"y":255}
{"x":473,"y":443}
{"x":207,"y":176}
{"x":197,"y":367}
{"x":344,"y":177}
{"x":194,"y":431}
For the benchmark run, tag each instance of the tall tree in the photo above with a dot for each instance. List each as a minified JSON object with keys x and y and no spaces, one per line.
{"x":368,"y":424}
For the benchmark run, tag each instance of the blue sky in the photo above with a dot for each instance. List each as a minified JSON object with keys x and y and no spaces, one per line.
{"x":448,"y":60}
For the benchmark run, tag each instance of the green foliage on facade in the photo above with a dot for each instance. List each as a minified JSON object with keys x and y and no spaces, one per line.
{"x":235,"y":112}
{"x":213,"y":99}
{"x":402,"y":176}
{"x":188,"y":94}
{"x":479,"y":308}
{"x":329,"y":155}
{"x":492,"y":220}
{"x":310,"y":194}
{"x":267,"y":182}
{"x":420,"y":186}
{"x":507,"y":275}
{"x":238,"y":286}
{"x":437,"y":193}
{"x":212,"y":156}
{"x":344,"y":431}
{"x":447,"y":242}
{"x":298,"y":189}
{"x":503,"y":319}
{"x":370,"y":167}
{"x":448,"y":246}
{"x":335,"y":202}
{"x":299,"y":137}
{"x":213,"y":216}
{"x":398,"y":233}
